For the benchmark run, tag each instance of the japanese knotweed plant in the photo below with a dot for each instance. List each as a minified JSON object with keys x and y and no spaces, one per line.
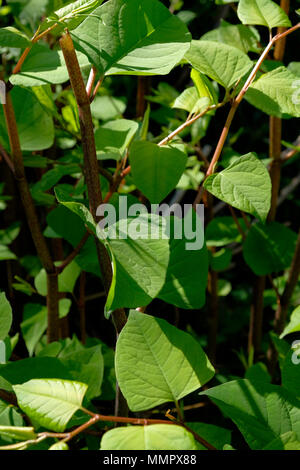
{"x":62,"y":123}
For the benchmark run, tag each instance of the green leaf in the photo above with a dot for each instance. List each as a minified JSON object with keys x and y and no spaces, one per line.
{"x":261,"y":411}
{"x":187,"y":273}
{"x":12,"y":37}
{"x":224,"y":287}
{"x":138,"y":282}
{"x":245,"y":184}
{"x":87,"y":259}
{"x":114,"y":137}
{"x":70,"y":15}
{"x":31,"y":10}
{"x":9,"y":417}
{"x":294,"y":67}
{"x":17,"y":433}
{"x":262,"y":12}
{"x":59,"y":446}
{"x":153,"y":437}
{"x":282,"y":347}
{"x":215,"y":435}
{"x":86,"y":366}
{"x":225,"y":2}
{"x":66,"y":224}
{"x":258,"y":371}
{"x":18,"y":372}
{"x":269,"y":248}
{"x":8,"y":235}
{"x":35,"y":322}
{"x":290,"y":370}
{"x":209,"y":58}
{"x":50,"y":402}
{"x":220,"y":260}
{"x":77,"y":207}
{"x":294,"y":324}
{"x":3,"y":352}
{"x":34,"y":325}
{"x":66,"y":280}
{"x":156,"y":170}
{"x":107,"y":107}
{"x":223,"y":231}
{"x":35,"y":126}
{"x":242,"y":37}
{"x":190,"y":101}
{"x":228,"y":447}
{"x":53,"y":176}
{"x":44,"y":66}
{"x":114,"y":46}
{"x":6,"y":253}
{"x":276,"y":93}
{"x":286,"y":441}
{"x":5,"y":316}
{"x":67,"y":221}
{"x":204,"y":86}
{"x":157,"y":363}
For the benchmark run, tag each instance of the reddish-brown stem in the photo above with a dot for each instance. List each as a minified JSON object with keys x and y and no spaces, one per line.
{"x":290,"y":154}
{"x":90,"y":163}
{"x":237,"y":223}
{"x":144,"y":422}
{"x":18,"y":67}
{"x":274,"y":287}
{"x":188,"y":123}
{"x":86,"y":123}
{"x":177,"y":131}
{"x":74,"y":253}
{"x":90,"y":158}
{"x":9,"y":397}
{"x":198,"y":438}
{"x":276,"y":128}
{"x":98,"y":85}
{"x":32,"y":220}
{"x":222,"y":138}
{"x":280,"y":45}
{"x":7,"y":158}
{"x":192,"y":407}
{"x":91,"y":81}
{"x":35,"y":39}
{"x":236,"y":102}
{"x":144,"y":86}
{"x":246,"y":220}
{"x":121,"y":407}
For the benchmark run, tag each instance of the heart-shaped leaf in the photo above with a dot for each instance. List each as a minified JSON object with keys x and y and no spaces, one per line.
{"x":245,"y":184}
{"x":153,"y":437}
{"x":50,"y":402}
{"x":262,"y":12}
{"x":133,"y":37}
{"x":209,"y":58}
{"x":150,"y":347}
{"x":156,"y":170}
